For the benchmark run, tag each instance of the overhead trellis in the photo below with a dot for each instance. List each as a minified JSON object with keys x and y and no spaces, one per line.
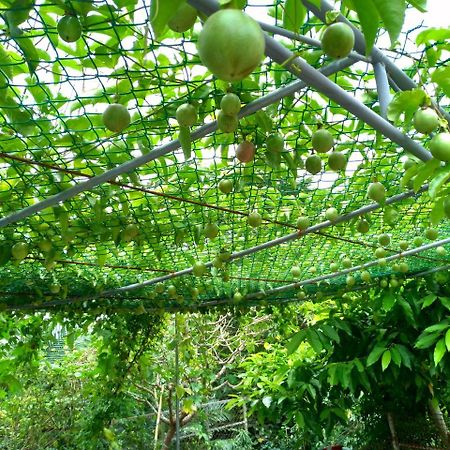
{"x":119,"y":218}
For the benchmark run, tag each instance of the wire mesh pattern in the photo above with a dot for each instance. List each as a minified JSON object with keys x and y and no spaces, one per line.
{"x":150,"y":222}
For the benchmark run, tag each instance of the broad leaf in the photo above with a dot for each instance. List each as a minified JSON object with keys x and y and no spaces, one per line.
{"x":406,"y":103}
{"x":441,"y":76}
{"x":440,"y":178}
{"x":161,"y":11}
{"x":388,"y":301}
{"x":421,"y":5}
{"x":428,"y":300}
{"x":447,"y":340}
{"x":295,"y":341}
{"x":439,"y":351}
{"x":426,"y":340}
{"x":375,"y":355}
{"x":293,"y":15}
{"x":386,"y":360}
{"x":392,"y":12}
{"x":369,"y":19}
{"x":432,"y":34}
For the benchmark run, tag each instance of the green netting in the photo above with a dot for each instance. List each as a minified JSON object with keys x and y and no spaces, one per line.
{"x":53,"y":137}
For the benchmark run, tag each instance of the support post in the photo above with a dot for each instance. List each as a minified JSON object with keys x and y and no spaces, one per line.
{"x":177,"y":381}
{"x":384,"y":96}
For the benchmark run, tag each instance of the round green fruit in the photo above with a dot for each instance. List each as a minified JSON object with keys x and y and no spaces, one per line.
{"x":363,"y":226}
{"x":245,"y":151}
{"x":382,"y":262}
{"x":313,"y":164}
{"x":211,"y":230}
{"x":380,"y":252}
{"x":224,"y":255}
{"x":254,"y":219}
{"x":313,"y":270}
{"x":199,"y":269}
{"x":225,"y":186}
{"x":237,"y":297}
{"x":322,"y":141}
{"x":338,"y":40}
{"x":365,"y":276}
{"x":227,"y":124}
{"x":425,"y":120}
{"x":431,"y":234}
{"x":394,"y":283}
{"x":231,"y":44}
{"x":337,"y":161}
{"x":217,"y":263}
{"x":334,"y":267}
{"x":172,"y":291}
{"x":376,"y":192}
{"x":383,"y":283}
{"x":195,"y":292}
{"x":347,"y":262}
{"x":418,"y":241}
{"x":159,"y":288}
{"x":403,"y":245}
{"x":186,"y":115}
{"x":440,"y":146}
{"x":441,"y":251}
{"x":69,"y":28}
{"x":391,"y":216}
{"x":396,"y":267}
{"x":230,"y":104}
{"x":116,"y":117}
{"x":350,"y":280}
{"x":296,"y":272}
{"x":275,"y":143}
{"x":19,"y":251}
{"x":183,"y":19}
{"x":303,"y":223}
{"x":55,"y":288}
{"x":331,"y":214}
{"x":301,"y":295}
{"x":409,"y":163}
{"x":384,"y":239}
{"x":45,"y":245}
{"x":403,"y":267}
{"x":130,"y":232}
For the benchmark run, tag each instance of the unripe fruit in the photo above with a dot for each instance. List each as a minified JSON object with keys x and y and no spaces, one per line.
{"x":245,"y":151}
{"x":225,"y":186}
{"x":254,"y":219}
{"x":159,"y":288}
{"x":384,"y":239}
{"x":211,"y":230}
{"x":19,"y":251}
{"x":383,"y":283}
{"x":363,"y":226}
{"x":130,"y":232}
{"x":376,"y":192}
{"x":301,"y":295}
{"x":441,"y":251}
{"x":69,"y":28}
{"x":380,"y":252}
{"x":334,"y":267}
{"x":391,"y":216}
{"x":237,"y":297}
{"x":45,"y":246}
{"x":217,"y":263}
{"x":186,"y":115}
{"x":231,"y":44}
{"x":313,"y":164}
{"x":403,"y":267}
{"x":183,"y":19}
{"x":338,"y":40}
{"x":347,"y":263}
{"x":172,"y":291}
{"x":55,"y":288}
{"x":195,"y":292}
{"x":227,"y":124}
{"x":403,"y":245}
{"x":322,"y":141}
{"x":337,"y":161}
{"x":116,"y":117}
{"x":431,"y":234}
{"x":409,"y":163}
{"x":303,"y":223}
{"x":331,"y":214}
{"x":425,"y":120}
{"x":295,"y":271}
{"x":418,"y":241}
{"x":394,"y":283}
{"x":350,"y":280}
{"x":312,"y":270}
{"x":396,"y":267}
{"x":382,"y":262}
{"x":199,"y":269}
{"x":275,"y":143}
{"x":230,"y":104}
{"x":440,"y":146}
{"x":365,"y":276}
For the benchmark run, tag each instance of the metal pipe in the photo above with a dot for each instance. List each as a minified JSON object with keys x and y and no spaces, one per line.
{"x":400,"y":78}
{"x":328,"y":276}
{"x":166,"y":148}
{"x":281,"y":240}
{"x":381,"y":79}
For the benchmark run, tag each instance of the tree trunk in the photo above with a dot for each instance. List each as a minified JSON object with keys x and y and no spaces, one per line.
{"x":438,"y":419}
{"x":390,"y":420}
{"x":169,"y":436}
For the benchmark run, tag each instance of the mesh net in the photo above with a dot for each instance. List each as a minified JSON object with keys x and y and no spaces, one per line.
{"x":52,"y":137}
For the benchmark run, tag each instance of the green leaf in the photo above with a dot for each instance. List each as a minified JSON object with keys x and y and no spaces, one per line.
{"x":295,"y":341}
{"x":405,"y":354}
{"x":314,"y":340}
{"x":375,"y":355}
{"x":421,"y":5}
{"x":330,"y":332}
{"x":426,"y":340}
{"x":439,"y":351}
{"x":433,"y":34}
{"x":388,"y":301}
{"x":428,"y":300}
{"x":437,"y":327}
{"x":441,"y":76}
{"x":440,"y":178}
{"x":161,"y":11}
{"x":396,"y":357}
{"x":407,"y":103}
{"x":392,"y":13}
{"x":425,"y":172}
{"x":369,"y":19}
{"x":29,"y":52}
{"x":447,"y":340}
{"x":409,"y":174}
{"x":386,"y":360}
{"x":293,"y":15}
